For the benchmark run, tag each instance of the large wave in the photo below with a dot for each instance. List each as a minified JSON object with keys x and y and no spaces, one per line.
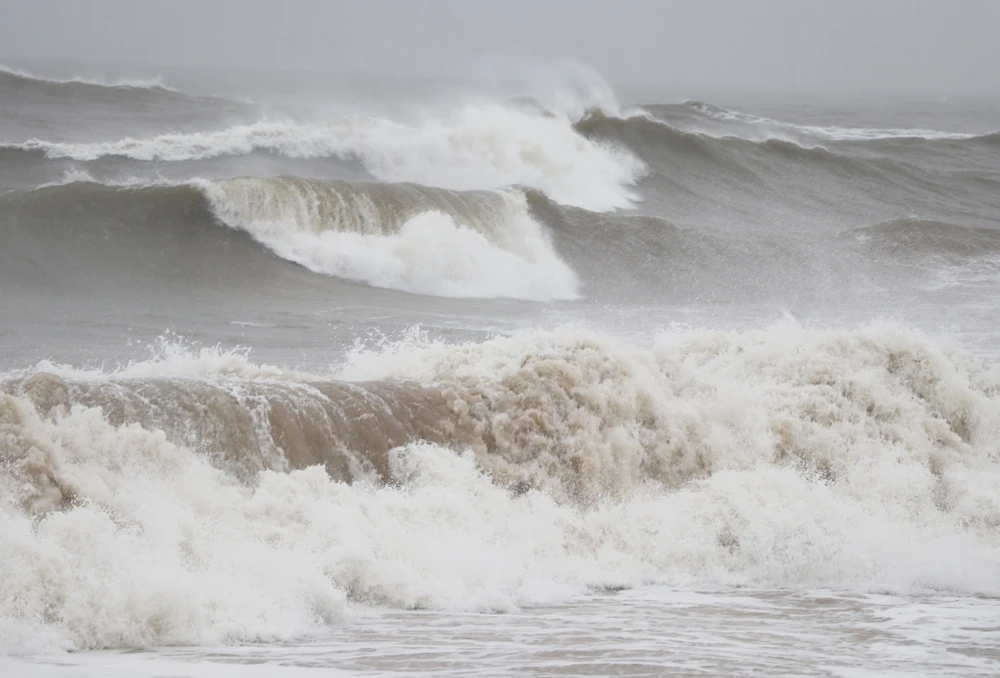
{"x":202,"y":498}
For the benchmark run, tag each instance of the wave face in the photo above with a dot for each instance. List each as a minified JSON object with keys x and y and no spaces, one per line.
{"x":214,"y":497}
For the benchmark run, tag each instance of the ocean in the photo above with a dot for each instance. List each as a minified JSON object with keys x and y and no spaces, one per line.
{"x":546,"y":377}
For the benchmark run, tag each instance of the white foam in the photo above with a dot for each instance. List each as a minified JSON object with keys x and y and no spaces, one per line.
{"x":863,"y":459}
{"x":477,"y":146}
{"x":347,"y":235}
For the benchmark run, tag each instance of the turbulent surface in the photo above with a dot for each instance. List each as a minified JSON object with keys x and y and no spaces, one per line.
{"x":598,"y":404}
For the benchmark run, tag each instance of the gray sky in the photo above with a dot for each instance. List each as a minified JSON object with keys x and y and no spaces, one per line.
{"x":951,"y":45}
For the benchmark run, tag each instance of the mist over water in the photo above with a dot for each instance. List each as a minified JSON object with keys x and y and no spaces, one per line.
{"x":307,"y":364}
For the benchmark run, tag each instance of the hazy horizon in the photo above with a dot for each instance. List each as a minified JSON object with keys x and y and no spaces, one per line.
{"x":810,"y":46}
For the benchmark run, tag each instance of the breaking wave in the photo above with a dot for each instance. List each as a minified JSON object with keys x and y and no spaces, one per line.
{"x":479,"y":146}
{"x":202,"y":498}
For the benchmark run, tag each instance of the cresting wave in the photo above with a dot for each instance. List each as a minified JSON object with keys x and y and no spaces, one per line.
{"x":199,"y":498}
{"x":476,"y":147}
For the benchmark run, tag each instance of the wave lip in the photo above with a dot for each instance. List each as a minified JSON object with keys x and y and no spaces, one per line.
{"x":405,"y":237}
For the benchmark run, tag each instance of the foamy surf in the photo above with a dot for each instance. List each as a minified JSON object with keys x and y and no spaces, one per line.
{"x":783,"y":458}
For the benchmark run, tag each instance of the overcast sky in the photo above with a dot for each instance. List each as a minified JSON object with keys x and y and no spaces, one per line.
{"x":951,"y":45}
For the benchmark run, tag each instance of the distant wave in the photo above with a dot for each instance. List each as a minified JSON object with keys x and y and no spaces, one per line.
{"x":397,"y":236}
{"x":476,"y":147}
{"x":824,"y":133}
{"x":10,"y":75}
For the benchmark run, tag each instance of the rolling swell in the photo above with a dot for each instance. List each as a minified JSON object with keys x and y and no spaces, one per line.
{"x":87,"y":236}
{"x":686,"y":263}
{"x":772,"y":181}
